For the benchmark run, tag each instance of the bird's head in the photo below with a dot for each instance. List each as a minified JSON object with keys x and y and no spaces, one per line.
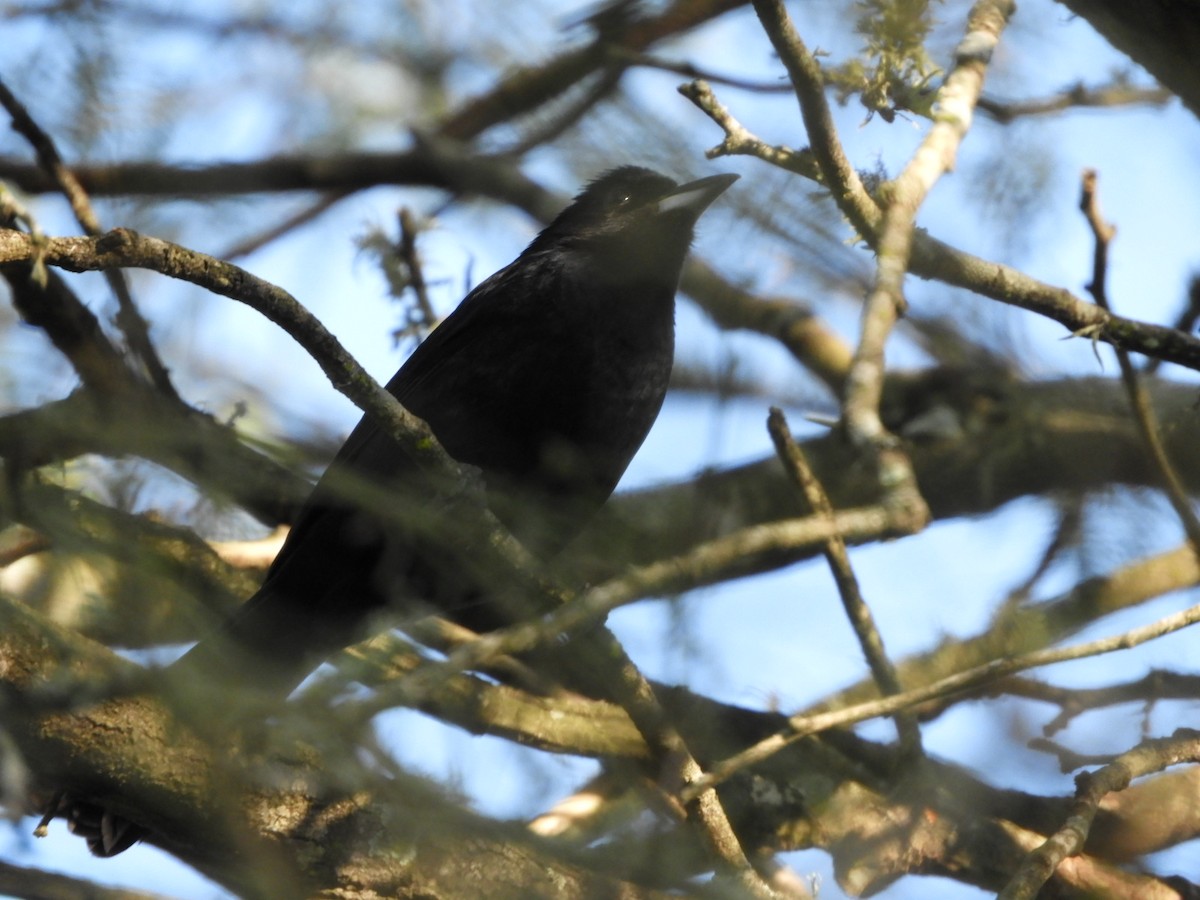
{"x":633,"y":217}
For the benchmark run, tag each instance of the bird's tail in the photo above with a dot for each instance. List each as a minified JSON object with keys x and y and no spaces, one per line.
{"x":260,"y":654}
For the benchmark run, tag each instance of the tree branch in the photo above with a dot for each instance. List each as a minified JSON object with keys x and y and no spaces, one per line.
{"x":1091,"y":788}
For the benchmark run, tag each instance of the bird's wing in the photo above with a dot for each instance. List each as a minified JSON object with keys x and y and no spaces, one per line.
{"x":499,"y":312}
{"x":502,"y":306}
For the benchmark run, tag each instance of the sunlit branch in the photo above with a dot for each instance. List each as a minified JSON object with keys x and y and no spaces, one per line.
{"x":803,"y":725}
{"x":1150,"y":756}
{"x":834,"y":551}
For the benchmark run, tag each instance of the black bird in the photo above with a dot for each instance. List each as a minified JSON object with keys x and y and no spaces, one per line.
{"x":547,"y":377}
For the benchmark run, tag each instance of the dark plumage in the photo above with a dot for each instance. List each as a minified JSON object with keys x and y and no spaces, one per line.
{"x":547,"y":377}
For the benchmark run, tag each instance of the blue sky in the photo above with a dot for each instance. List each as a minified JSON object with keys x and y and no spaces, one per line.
{"x":780,"y":637}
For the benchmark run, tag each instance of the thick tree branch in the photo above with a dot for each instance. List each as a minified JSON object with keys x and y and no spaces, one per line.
{"x":186,"y":441}
{"x":1009,"y":440}
{"x":125,"y":248}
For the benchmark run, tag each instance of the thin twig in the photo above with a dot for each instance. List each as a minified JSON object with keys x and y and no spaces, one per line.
{"x":754,"y":549}
{"x":966,"y":680}
{"x":1151,"y":756}
{"x":679,"y":769}
{"x":1077,"y":97}
{"x":45,"y":301}
{"x":129,"y":319}
{"x":805,"y":74}
{"x":545,"y":132}
{"x":1066,"y":535}
{"x":688,"y":70}
{"x":1139,"y":398}
{"x":739,"y":141}
{"x":857,"y":610}
{"x":1186,"y":321}
{"x":410,"y":259}
{"x":1068,"y":760}
{"x":255,"y":242}
{"x":1155,"y":685}
{"x":1033,"y":627}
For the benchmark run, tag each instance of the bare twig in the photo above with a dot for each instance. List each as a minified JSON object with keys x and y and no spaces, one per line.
{"x":704,"y":808}
{"x":534,"y":84}
{"x":257,"y":241}
{"x":836,"y":172}
{"x":1139,"y":399}
{"x":739,"y":141}
{"x":1186,"y":321}
{"x":1069,"y":760}
{"x":1032,"y":627}
{"x":753,"y":549}
{"x":1091,"y":788}
{"x":804,"y":725}
{"x":44,"y":301}
{"x":1077,"y":97}
{"x":445,"y":636}
{"x":1066,"y":535}
{"x":857,"y":610}
{"x":606,"y":82}
{"x":689,"y":70}
{"x":1156,"y":685}
{"x":129,"y":319}
{"x":423,"y":319}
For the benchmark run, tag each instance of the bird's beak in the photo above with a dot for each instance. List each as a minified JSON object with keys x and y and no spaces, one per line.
{"x":695,"y":196}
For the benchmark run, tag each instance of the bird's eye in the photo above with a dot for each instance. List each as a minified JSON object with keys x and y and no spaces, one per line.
{"x":624,"y":199}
